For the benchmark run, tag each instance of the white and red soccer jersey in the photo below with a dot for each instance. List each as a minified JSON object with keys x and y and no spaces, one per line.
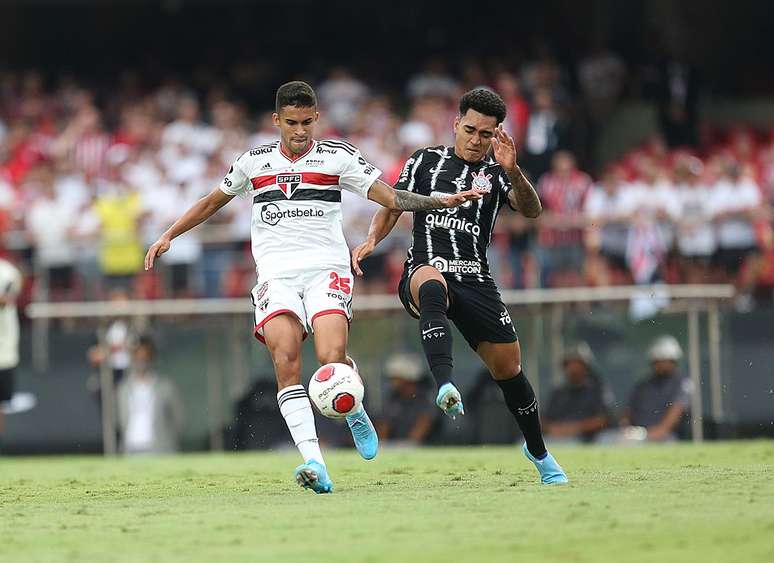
{"x":296,"y":222}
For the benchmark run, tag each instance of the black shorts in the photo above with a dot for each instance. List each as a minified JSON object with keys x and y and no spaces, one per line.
{"x":475,"y":308}
{"x":6,"y":384}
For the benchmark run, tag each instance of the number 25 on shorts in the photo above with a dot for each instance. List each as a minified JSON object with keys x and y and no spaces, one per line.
{"x":340,"y":284}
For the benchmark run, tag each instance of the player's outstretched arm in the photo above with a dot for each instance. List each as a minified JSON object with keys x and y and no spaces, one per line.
{"x":522,"y":195}
{"x":381,"y":225}
{"x":401,"y":200}
{"x":198,"y":213}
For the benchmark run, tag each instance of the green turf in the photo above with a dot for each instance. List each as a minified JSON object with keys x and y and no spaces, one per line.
{"x":667,"y":503}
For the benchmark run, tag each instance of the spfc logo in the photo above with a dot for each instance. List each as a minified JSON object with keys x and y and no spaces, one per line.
{"x":481,"y":181}
{"x":288,"y":183}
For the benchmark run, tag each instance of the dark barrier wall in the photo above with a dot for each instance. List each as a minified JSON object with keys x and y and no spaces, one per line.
{"x":191,"y":351}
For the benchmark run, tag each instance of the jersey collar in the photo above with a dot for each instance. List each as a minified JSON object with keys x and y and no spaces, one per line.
{"x":299,"y":157}
{"x":487,"y":160}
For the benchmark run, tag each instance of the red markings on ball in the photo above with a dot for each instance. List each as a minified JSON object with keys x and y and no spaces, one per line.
{"x":343,"y":402}
{"x":324,"y":373}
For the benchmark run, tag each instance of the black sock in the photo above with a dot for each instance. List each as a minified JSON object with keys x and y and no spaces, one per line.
{"x":435,"y":330}
{"x":522,"y":403}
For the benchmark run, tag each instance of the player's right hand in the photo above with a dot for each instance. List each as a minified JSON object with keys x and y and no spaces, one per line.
{"x":455,"y":200}
{"x":157,"y":249}
{"x":361,"y":252}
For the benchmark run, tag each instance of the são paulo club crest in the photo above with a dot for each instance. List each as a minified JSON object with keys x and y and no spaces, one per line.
{"x":288,"y":183}
{"x":481,"y":182}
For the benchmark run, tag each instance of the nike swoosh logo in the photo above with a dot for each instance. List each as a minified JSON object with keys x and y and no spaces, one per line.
{"x":429,"y":330}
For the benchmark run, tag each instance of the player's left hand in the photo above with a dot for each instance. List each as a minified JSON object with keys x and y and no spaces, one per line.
{"x":455,"y":200}
{"x":504,"y":148}
{"x":361,"y":252}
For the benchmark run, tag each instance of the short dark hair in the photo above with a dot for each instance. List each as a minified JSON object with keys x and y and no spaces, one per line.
{"x":297,"y":94}
{"x":483,"y":101}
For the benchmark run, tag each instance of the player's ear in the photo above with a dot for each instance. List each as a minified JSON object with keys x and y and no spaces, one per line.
{"x":275,"y":119}
{"x":316,"y":115}
{"x":456,"y":123}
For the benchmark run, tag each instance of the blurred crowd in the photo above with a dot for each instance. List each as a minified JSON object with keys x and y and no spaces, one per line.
{"x":89,"y":177}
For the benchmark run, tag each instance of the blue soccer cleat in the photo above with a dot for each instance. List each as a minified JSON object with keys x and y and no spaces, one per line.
{"x":313,"y":475}
{"x":364,"y":434}
{"x":551,"y":473}
{"x":449,"y":400}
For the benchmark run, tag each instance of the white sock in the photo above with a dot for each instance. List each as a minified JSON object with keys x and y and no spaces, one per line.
{"x":297,"y":411}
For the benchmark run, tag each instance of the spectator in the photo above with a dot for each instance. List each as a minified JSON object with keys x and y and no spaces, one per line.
{"x":545,"y":134}
{"x":188,"y":133}
{"x":84,"y":142}
{"x":10,"y":287}
{"x":696,"y":241}
{"x":606,"y":212}
{"x":517,"y":117}
{"x":433,"y":81}
{"x":661,"y":402}
{"x":757,"y":277}
{"x":409,"y":414}
{"x":50,"y":223}
{"x":583,"y":405}
{"x":563,"y":192}
{"x":652,"y":205}
{"x":735,"y":199}
{"x":117,"y":345}
{"x":119,"y":210}
{"x":342,"y":95}
{"x":150,"y":410}
{"x":601,"y":76}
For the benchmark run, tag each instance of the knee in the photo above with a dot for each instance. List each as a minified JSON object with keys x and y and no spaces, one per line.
{"x":433,"y":297}
{"x":506,"y":368}
{"x":332,"y":354}
{"x":285,"y":358}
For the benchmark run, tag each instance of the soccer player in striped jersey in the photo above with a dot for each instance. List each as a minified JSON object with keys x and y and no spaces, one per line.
{"x":446,"y":275}
{"x":302,"y":260}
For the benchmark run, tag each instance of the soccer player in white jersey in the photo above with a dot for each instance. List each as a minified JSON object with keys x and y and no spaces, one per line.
{"x":302,"y":260}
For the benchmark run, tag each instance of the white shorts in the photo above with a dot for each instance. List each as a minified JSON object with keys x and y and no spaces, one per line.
{"x":308,"y":296}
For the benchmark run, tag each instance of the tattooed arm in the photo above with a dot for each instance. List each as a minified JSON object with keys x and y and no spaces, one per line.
{"x":400,"y":200}
{"x":522,"y":195}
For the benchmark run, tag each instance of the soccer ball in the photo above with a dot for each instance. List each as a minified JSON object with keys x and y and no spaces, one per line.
{"x":336,"y":390}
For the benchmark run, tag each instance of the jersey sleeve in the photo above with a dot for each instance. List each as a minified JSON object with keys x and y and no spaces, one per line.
{"x":408,"y":175}
{"x":505,"y":189}
{"x":358,"y":175}
{"x":235,"y":181}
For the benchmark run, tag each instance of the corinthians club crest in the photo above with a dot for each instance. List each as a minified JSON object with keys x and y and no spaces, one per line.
{"x":481,"y":182}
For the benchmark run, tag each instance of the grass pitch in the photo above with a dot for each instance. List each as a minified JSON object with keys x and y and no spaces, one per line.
{"x":660,"y":503}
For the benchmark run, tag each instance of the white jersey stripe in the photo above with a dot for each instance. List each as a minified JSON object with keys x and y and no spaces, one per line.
{"x":458,"y":182}
{"x":494,"y":217}
{"x":433,"y":180}
{"x":479,"y":205}
{"x":414,"y":173}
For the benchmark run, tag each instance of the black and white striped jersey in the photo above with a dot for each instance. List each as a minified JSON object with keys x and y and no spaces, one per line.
{"x":454,"y":240}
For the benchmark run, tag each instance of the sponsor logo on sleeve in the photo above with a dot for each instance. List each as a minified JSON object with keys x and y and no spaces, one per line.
{"x":406,"y":168}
